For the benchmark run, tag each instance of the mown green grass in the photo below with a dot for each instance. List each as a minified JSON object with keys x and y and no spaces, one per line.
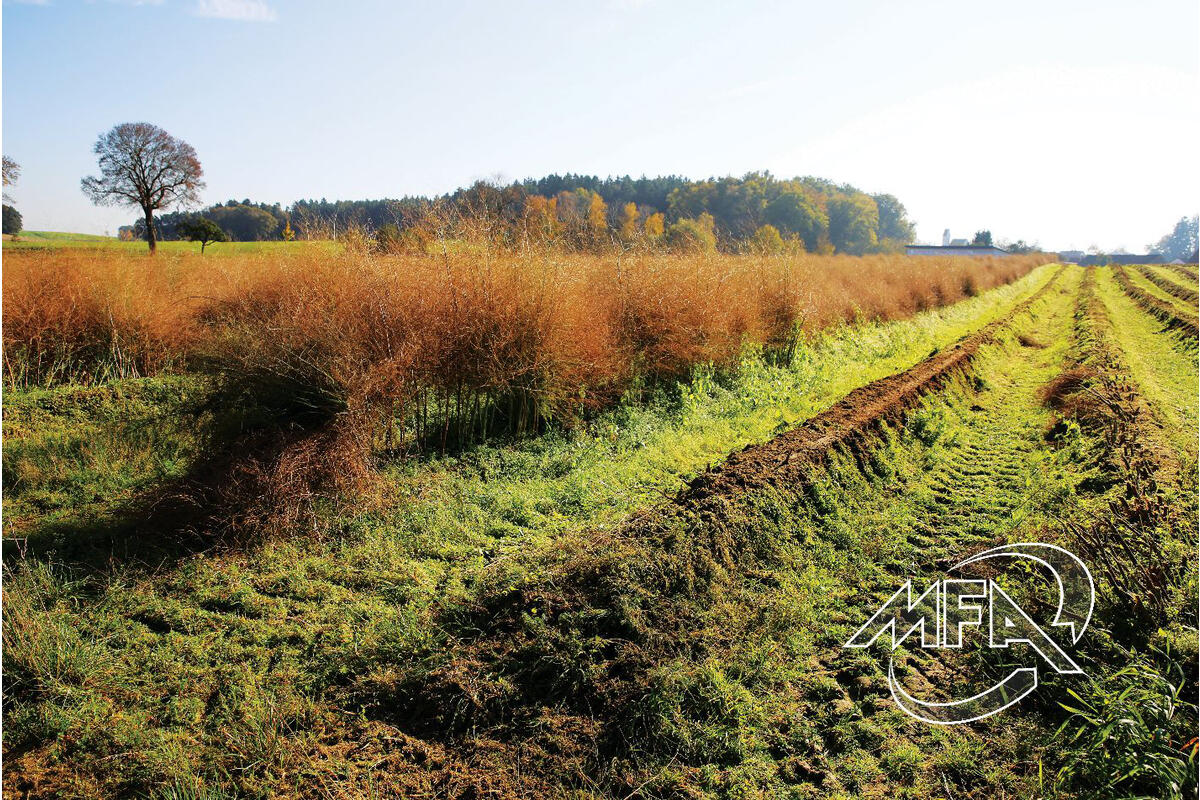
{"x":971,"y":467}
{"x":79,"y":451}
{"x":1163,"y":364}
{"x":1187,"y":310}
{"x":1186,"y":281}
{"x":762,"y":700}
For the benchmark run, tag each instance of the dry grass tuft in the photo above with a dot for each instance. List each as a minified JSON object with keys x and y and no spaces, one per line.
{"x":1058,"y":394}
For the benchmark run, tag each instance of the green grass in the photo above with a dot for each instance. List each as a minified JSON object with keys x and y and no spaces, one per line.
{"x":1186,"y":281}
{"x":1163,"y":364}
{"x":51,"y":240}
{"x":74,"y":452}
{"x":59,"y":236}
{"x":1186,"y":310}
{"x":974,"y":468}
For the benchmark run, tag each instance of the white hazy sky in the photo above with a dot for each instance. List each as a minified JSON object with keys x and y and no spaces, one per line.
{"x":1069,"y":123}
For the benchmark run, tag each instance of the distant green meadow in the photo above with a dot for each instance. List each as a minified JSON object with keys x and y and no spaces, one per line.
{"x":51,"y":240}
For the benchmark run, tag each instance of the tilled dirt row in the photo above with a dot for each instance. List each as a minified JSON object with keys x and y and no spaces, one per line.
{"x":847,"y":422}
{"x":1172,"y":318}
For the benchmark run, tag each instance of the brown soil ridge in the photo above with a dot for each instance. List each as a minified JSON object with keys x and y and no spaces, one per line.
{"x":1170,"y":286}
{"x":1165,"y":312}
{"x":849,"y":422}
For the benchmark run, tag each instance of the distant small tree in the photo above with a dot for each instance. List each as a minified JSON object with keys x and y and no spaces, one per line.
{"x":692,"y":235}
{"x":287,"y":233}
{"x":143,"y":165}
{"x":982,"y":239}
{"x":597,"y":216}
{"x":202,"y":230}
{"x":654,"y":226}
{"x":540,"y":219}
{"x":627,"y":224}
{"x":12,"y":220}
{"x":767,"y":240}
{"x":1020,"y":247}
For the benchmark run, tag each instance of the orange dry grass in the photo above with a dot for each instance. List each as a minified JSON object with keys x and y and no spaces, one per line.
{"x":448,"y":347}
{"x":75,"y":317}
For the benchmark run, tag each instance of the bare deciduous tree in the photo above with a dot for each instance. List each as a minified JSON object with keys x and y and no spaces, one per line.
{"x":143,"y":165}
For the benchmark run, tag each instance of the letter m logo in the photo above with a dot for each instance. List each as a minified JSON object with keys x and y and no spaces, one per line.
{"x":901,"y":615}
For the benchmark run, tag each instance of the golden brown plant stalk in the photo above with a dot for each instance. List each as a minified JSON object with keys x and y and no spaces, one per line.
{"x":551,"y":334}
{"x":351,"y":352}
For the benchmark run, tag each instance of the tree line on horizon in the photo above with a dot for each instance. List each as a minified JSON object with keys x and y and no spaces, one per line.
{"x":143,"y":166}
{"x":583,"y":212}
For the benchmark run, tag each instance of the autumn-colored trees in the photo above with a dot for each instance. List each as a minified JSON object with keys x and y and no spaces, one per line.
{"x":583,"y":213}
{"x":654,"y":226}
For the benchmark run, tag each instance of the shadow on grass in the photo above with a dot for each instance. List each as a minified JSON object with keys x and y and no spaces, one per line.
{"x":204,"y":508}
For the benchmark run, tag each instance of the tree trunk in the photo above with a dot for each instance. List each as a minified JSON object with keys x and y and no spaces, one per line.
{"x":150,"y":231}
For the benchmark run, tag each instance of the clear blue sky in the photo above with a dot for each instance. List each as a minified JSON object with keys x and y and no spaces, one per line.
{"x":1071,"y":123}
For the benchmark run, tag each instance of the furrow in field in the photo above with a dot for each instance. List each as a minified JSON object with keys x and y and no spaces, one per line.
{"x":1099,"y":352}
{"x":981,"y":484}
{"x":1170,"y":314}
{"x":1170,"y":286}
